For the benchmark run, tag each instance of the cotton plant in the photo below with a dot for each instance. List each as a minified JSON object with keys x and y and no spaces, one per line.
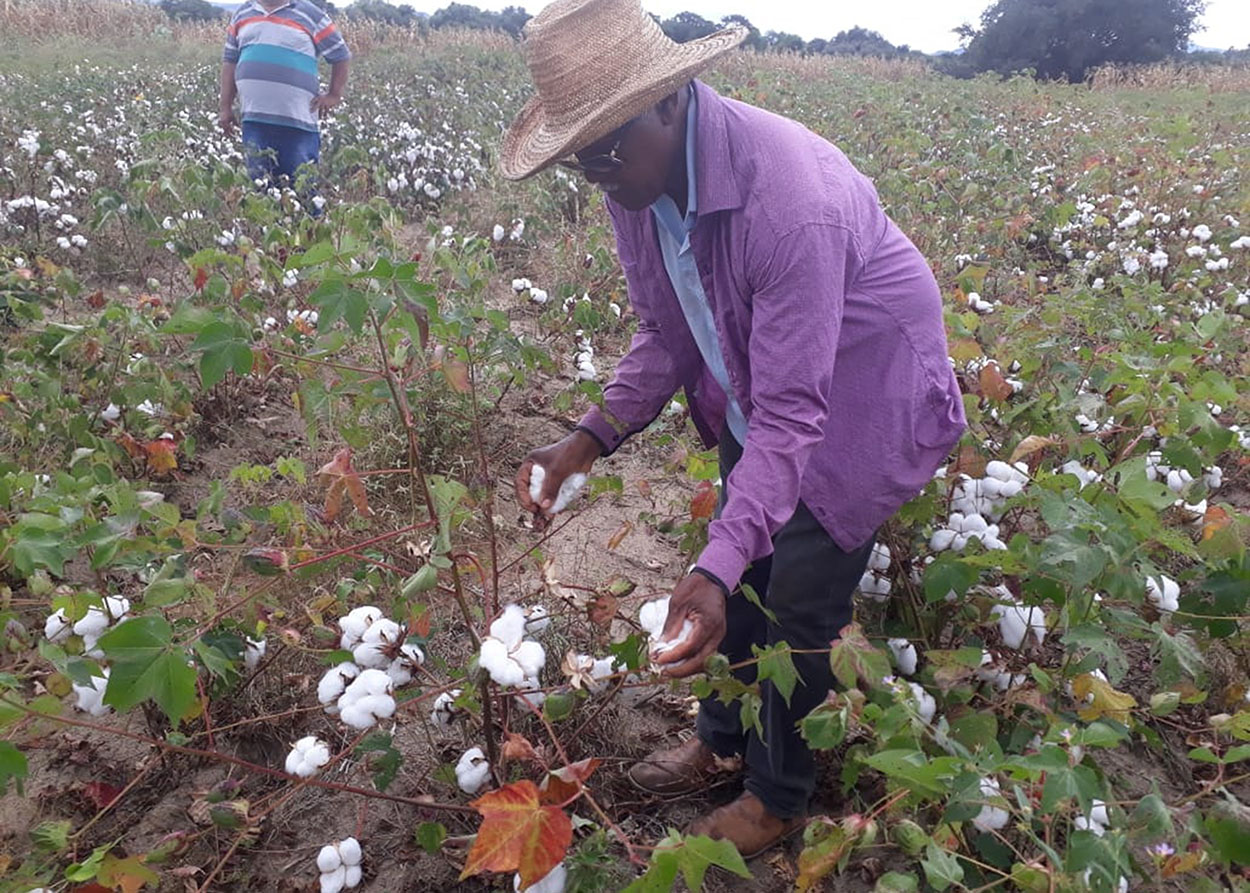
{"x":987,"y":496}
{"x":506,"y":654}
{"x":472,"y":770}
{"x":552,"y":882}
{"x":339,"y":864}
{"x":584,"y":360}
{"x":652,"y":617}
{"x":307,"y":757}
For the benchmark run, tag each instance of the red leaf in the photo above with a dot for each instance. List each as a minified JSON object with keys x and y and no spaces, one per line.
{"x":518,"y":834}
{"x":161,"y":455}
{"x":101,"y":793}
{"x":518,"y":747}
{"x":201,"y":277}
{"x":703,"y":504}
{"x":993,"y":385}
{"x":566,"y":783}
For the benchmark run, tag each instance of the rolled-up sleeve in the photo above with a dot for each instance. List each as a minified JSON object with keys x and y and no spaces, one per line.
{"x":329,"y":41}
{"x":797,"y":298}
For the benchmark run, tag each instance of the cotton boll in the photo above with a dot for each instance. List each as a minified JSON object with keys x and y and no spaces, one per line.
{"x":333,"y":881}
{"x":663,"y":646}
{"x":116,"y":607}
{"x":1015,"y":621}
{"x":1164,"y":592}
{"x":367,"y":700}
{"x":253,"y":653}
{"x":530,"y":656}
{"x":879,"y":560}
{"x":942,"y":539}
{"x":307,"y":756}
{"x":653,"y":615}
{"x":328,"y":859}
{"x":1213,"y":477}
{"x":90,"y":698}
{"x":444,"y":710}
{"x":334,"y":682}
{"x":926,"y":706}
{"x":520,"y":285}
{"x":552,"y":882}
{"x":534,"y":697}
{"x":57,"y":627}
{"x":376,"y":643}
{"x":904,"y":655}
{"x":355,"y":623}
{"x":991,"y":818}
{"x":509,"y":627}
{"x":472,"y":770}
{"x":493,"y":657}
{"x":352,"y":875}
{"x":400,"y":669}
{"x":568,"y":489}
{"x":349,"y":850}
{"x":93,"y":624}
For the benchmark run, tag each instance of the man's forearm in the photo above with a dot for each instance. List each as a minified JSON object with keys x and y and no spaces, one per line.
{"x":338,"y":78}
{"x":228,"y":88}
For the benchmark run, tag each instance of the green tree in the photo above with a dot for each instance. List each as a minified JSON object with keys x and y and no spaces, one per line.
{"x":686,"y":26}
{"x":1067,"y":38}
{"x":861,"y":42}
{"x":192,"y":10}
{"x":755,"y":40}
{"x":784,"y":42}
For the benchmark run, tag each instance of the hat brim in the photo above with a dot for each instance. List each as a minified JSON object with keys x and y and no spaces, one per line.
{"x":532,"y":143}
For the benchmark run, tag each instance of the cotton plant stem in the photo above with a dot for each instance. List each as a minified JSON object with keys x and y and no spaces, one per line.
{"x":488,"y":509}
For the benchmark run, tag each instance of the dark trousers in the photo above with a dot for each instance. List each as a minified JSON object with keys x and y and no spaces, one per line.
{"x":273,"y":150}
{"x":807,"y":583}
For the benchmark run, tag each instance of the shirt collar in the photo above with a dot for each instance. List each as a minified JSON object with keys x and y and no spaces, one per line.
{"x":664,"y":208}
{"x":718,"y":186}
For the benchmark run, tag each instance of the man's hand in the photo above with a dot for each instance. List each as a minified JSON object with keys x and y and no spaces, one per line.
{"x":323,"y":103}
{"x":702,"y":602}
{"x":574,"y":453}
{"x":225,"y":120}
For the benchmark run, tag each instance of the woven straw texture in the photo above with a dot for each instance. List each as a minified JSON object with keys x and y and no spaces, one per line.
{"x":596,"y":64}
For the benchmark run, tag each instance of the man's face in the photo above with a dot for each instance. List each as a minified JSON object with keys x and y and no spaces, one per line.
{"x":647,"y":148}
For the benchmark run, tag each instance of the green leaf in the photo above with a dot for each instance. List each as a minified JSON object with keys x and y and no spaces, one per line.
{"x":897,"y":882}
{"x":776,"y":664}
{"x":691,"y":856}
{"x":1150,"y":820}
{"x":852,"y":658}
{"x":385,"y":761}
{"x":912,"y":769}
{"x":146,"y":664}
{"x":941,"y":869}
{"x":975,"y":731}
{"x":1145,"y":494}
{"x":430,"y":836}
{"x":1230,"y":839}
{"x":1079,"y":781}
{"x":948,"y":574}
{"x":13,"y":766}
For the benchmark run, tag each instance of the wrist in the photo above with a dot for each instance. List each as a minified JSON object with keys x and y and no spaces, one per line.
{"x":708,"y":575}
{"x":587,"y":445}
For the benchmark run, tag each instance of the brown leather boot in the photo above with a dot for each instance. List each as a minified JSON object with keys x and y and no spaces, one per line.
{"x":673,"y":771}
{"x":747,"y":824}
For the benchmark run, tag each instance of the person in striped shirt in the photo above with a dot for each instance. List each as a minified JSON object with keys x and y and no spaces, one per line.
{"x":270,"y":63}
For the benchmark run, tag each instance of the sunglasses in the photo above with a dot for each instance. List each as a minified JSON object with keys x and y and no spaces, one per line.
{"x":604,"y":163}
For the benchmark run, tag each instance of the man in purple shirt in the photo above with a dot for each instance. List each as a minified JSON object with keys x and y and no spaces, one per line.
{"x":828,"y":348}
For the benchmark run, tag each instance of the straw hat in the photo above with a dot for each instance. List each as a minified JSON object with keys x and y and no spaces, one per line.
{"x":596,"y":64}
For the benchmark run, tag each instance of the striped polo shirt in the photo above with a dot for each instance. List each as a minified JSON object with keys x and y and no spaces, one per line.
{"x":276,"y":54}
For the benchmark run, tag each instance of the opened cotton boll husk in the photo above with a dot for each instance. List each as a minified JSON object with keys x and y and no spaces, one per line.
{"x":568,"y":490}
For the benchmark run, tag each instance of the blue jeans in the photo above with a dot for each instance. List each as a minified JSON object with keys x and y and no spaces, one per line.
{"x":274,"y":151}
{"x":807,"y":583}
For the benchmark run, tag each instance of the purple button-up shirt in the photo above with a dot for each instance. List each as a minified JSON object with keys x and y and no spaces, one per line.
{"x":831,"y":326}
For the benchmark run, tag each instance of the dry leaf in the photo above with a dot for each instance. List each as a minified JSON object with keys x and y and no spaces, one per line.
{"x":621,"y":532}
{"x":703,"y":503}
{"x":518,"y":747}
{"x":1029,"y":446}
{"x":1106,"y":701}
{"x":993,"y":385}
{"x":518,"y":833}
{"x":339,"y":477}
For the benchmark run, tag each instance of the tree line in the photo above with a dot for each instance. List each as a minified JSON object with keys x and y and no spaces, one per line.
{"x":1051,"y":39}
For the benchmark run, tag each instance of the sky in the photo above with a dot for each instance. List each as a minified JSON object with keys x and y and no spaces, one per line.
{"x":921,"y":24}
